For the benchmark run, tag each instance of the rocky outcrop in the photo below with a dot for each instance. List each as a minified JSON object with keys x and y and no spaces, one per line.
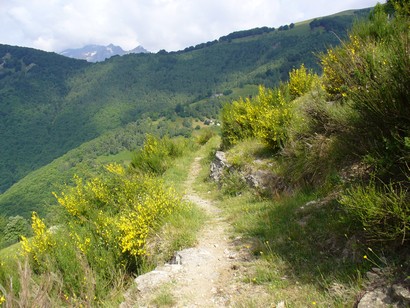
{"x":218,"y":166}
{"x":257,"y":175}
{"x":380,"y":293}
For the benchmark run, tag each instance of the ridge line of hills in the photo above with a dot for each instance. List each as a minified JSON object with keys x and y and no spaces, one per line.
{"x":97,"y":53}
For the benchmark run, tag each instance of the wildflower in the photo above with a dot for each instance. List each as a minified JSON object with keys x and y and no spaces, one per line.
{"x":365,"y":257}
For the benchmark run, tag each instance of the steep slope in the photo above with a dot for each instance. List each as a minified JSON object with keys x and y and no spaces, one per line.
{"x":33,"y":84}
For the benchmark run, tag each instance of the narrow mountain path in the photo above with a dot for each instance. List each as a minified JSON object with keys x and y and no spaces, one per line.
{"x":211,"y":274}
{"x":210,"y":268}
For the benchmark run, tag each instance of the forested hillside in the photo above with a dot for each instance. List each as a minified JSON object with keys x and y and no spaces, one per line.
{"x":33,"y":85}
{"x":51,"y":104}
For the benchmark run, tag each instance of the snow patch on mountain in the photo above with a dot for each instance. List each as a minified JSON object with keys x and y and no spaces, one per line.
{"x":98,"y":53}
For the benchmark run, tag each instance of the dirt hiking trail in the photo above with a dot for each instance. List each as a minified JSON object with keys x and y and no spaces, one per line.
{"x":211,"y":274}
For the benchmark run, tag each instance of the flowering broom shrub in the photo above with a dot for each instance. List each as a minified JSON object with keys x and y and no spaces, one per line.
{"x":266,"y":117}
{"x":301,"y":81}
{"x":106,"y":222}
{"x":371,"y":73}
{"x":40,"y":243}
{"x":236,"y":121}
{"x":119,"y":211}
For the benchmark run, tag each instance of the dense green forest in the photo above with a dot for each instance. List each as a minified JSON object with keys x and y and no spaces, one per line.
{"x":51,"y":104}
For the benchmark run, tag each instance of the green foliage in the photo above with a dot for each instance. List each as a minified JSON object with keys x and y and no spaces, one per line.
{"x":15,"y":228}
{"x":107,"y":230}
{"x":384,"y":211}
{"x":337,"y":24}
{"x":233,"y":183}
{"x":320,"y":142}
{"x":157,"y":154}
{"x":400,"y":7}
{"x":33,"y":193}
{"x":52,"y":104}
{"x":367,"y":77}
{"x":204,"y":135}
{"x":266,"y":117}
{"x":3,"y":223}
{"x":329,"y":146}
{"x":106,"y":223}
{"x":371,"y":73}
{"x":301,"y":81}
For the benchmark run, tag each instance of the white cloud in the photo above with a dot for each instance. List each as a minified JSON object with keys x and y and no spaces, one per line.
{"x":155,"y":24}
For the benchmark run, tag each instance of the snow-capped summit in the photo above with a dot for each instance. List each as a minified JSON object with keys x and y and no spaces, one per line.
{"x":97,"y":53}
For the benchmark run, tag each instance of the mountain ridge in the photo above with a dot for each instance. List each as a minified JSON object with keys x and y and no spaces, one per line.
{"x":98,"y":53}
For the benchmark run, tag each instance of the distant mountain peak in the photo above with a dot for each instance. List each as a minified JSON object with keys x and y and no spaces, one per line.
{"x":98,"y":53}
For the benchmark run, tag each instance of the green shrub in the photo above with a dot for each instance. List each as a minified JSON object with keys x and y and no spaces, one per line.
{"x":107,"y":222}
{"x":301,"y":81}
{"x":384,"y":211}
{"x":204,"y":135}
{"x":16,"y":227}
{"x":371,"y":73}
{"x":266,"y":117}
{"x":236,"y":122}
{"x":233,"y":183}
{"x":156,"y":155}
{"x":320,"y":142}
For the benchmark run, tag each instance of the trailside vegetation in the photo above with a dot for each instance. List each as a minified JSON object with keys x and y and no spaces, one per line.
{"x":99,"y":239}
{"x":344,"y":135}
{"x":336,"y":201}
{"x":268,"y":115}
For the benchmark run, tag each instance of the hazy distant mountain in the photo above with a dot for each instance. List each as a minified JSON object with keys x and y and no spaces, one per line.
{"x":97,"y":53}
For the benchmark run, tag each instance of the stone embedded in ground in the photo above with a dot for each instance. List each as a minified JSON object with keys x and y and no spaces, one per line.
{"x":218,"y":165}
{"x":401,"y":294}
{"x":377,"y":298}
{"x":151,"y":280}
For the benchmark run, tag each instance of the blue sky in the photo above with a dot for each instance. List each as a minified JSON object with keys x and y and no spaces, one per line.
{"x":55,"y":25}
